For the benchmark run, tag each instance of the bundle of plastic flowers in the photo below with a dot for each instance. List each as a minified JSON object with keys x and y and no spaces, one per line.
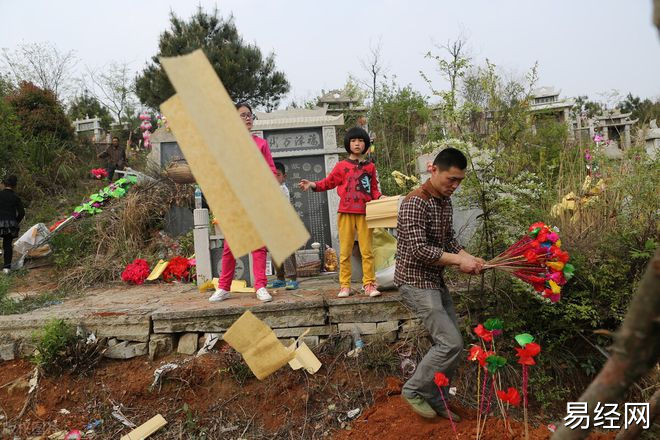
{"x":136,"y":272}
{"x":537,"y":259}
{"x":99,"y":173}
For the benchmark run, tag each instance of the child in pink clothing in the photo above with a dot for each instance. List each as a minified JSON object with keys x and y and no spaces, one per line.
{"x":259,"y":255}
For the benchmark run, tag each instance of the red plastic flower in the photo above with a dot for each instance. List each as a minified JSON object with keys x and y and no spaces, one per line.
{"x":527,"y":353}
{"x":536,"y":225}
{"x":176,"y":269}
{"x":484,"y":334}
{"x":511,"y":396}
{"x":441,"y":380}
{"x":475,"y":353}
{"x":136,"y":272}
{"x":531,"y":256}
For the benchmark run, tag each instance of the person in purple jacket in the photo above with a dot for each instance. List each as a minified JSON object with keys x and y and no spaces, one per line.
{"x":258,"y":256}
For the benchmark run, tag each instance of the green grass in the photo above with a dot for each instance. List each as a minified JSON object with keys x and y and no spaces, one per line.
{"x":10,"y":306}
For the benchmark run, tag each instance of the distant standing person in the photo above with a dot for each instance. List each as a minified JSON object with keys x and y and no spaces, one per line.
{"x":115,"y":156}
{"x":426,"y":243}
{"x":288,"y":269}
{"x":11,"y":214}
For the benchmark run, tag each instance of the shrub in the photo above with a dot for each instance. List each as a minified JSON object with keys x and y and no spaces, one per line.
{"x":39,"y":113}
{"x":51,"y":343}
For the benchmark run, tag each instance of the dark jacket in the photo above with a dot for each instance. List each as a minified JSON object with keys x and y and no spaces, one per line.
{"x":11,"y":207}
{"x":115,"y":156}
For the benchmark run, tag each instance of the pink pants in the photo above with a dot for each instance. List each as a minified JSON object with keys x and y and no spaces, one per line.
{"x":229,"y":266}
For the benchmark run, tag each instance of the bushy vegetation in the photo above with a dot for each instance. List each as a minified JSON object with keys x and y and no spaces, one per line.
{"x":520,"y":170}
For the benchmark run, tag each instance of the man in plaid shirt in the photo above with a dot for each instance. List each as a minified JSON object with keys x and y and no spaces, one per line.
{"x":426,"y":243}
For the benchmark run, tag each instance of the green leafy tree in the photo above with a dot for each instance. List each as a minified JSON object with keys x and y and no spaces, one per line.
{"x":10,"y":135}
{"x":584,"y":105}
{"x":395,"y":118}
{"x":86,"y":106}
{"x":644,"y":110}
{"x":39,"y":113}
{"x":244,"y":71}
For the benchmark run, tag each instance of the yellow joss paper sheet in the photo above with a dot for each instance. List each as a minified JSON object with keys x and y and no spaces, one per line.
{"x":263,"y":352}
{"x":237,"y":183}
{"x":261,"y":349}
{"x":383,"y":213}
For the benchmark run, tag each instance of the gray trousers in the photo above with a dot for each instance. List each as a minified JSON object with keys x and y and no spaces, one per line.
{"x":436,"y":310}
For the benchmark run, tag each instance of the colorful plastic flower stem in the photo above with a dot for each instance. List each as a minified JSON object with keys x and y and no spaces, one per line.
{"x":453,"y":425}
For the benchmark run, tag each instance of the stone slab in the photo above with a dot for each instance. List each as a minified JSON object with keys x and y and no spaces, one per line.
{"x":366,"y":328}
{"x":367,"y":310}
{"x":188,"y":343}
{"x":294,"y":332}
{"x":283,"y":315}
{"x":160,"y":345}
{"x":7,"y":351}
{"x":387,"y":326}
{"x":103,"y":324}
{"x":127,"y":350}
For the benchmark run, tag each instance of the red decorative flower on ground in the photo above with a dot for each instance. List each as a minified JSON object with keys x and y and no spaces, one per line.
{"x":176,"y":269}
{"x":441,"y":380}
{"x":510,"y":396}
{"x":527,"y":353}
{"x":136,"y":272}
{"x":484,"y":334}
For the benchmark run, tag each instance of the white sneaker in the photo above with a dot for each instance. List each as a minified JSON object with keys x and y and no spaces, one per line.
{"x":219,"y":295}
{"x":6,"y":271}
{"x":263,"y":295}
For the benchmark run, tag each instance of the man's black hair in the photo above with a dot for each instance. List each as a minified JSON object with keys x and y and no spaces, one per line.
{"x":10,"y":181}
{"x":280,"y":167}
{"x":356,"y":133}
{"x":450,"y":157}
{"x":114,"y":137}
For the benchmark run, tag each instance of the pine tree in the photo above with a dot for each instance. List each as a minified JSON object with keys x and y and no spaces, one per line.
{"x":245,"y":73}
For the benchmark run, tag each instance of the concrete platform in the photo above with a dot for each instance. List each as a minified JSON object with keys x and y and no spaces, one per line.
{"x":137,"y":313}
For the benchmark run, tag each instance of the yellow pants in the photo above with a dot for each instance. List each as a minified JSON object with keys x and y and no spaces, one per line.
{"x":348,"y":224}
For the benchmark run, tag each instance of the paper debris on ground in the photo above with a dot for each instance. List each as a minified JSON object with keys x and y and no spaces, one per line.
{"x":240,"y":286}
{"x":211,"y":340}
{"x":146,"y":429}
{"x":118,"y":415}
{"x":304,"y":357}
{"x":160,"y":372}
{"x":158,"y":270}
{"x":237,"y":183}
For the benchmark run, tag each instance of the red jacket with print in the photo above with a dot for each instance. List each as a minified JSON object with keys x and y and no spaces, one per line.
{"x":356,"y":184}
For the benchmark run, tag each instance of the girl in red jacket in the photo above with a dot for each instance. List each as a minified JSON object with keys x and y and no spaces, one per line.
{"x":357,"y":184}
{"x":258,"y":256}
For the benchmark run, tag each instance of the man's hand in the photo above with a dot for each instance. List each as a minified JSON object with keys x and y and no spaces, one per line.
{"x":306,"y":184}
{"x":471,"y":265}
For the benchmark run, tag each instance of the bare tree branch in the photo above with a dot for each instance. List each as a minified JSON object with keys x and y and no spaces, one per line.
{"x":114,"y":87}
{"x":43,"y":65}
{"x":373,"y":65}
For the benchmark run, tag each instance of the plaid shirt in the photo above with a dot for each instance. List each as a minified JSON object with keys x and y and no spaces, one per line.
{"x":424,"y":232}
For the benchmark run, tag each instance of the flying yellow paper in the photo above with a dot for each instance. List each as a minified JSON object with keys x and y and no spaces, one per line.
{"x":263,"y":352}
{"x":237,"y":183}
{"x":261,"y":349}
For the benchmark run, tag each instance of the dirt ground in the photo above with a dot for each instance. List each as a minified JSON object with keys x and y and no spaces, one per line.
{"x":215,"y":397}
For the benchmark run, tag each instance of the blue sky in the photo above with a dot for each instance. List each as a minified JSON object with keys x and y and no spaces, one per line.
{"x":583,"y":47}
